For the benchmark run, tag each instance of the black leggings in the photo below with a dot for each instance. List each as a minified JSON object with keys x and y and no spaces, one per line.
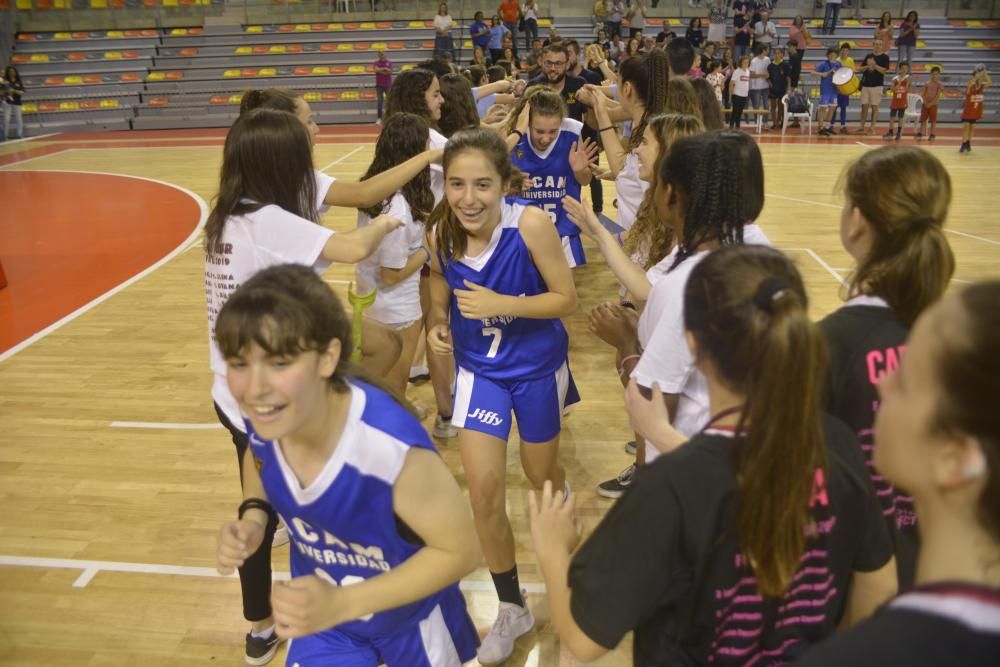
{"x":739,"y":103}
{"x":255,"y":575}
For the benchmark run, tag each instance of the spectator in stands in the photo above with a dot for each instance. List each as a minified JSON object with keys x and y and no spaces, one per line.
{"x":694,"y":33}
{"x":872,"y":85}
{"x":681,"y":55}
{"x":715,"y":77}
{"x":827,"y":92}
{"x":631,"y":50}
{"x":497,"y":32}
{"x":739,"y":91}
{"x":717,"y":16}
{"x":615,"y":10}
{"x":759,"y":86}
{"x":480,"y":34}
{"x":665,"y":36}
{"x":383,"y":80}
{"x":12,"y":96}
{"x":884,"y":31}
{"x":931,"y":95}
{"x":708,"y":53}
{"x":600,"y":17}
{"x":764,"y":30}
{"x":636,"y":18}
{"x":515,"y":63}
{"x":794,"y":63}
{"x":510,"y":12}
{"x":459,"y":109}
{"x":778,"y":73}
{"x":799,"y":31}
{"x":830,"y":16}
{"x":845,"y":60}
{"x":533,"y":61}
{"x":530,"y":14}
{"x":728,"y":67}
{"x":909,"y":31}
{"x":553,"y":37}
{"x":479,"y":57}
{"x":742,"y":30}
{"x":443,"y":23}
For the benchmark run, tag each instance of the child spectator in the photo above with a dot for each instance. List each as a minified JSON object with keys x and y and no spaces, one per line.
{"x":794,"y":62}
{"x":739,"y":91}
{"x":759,"y":86}
{"x":930,"y":95}
{"x":897,"y":109}
{"x":973,"y":109}
{"x":827,"y":92}
{"x":845,"y":60}
{"x":716,"y":77}
{"x":778,"y":73}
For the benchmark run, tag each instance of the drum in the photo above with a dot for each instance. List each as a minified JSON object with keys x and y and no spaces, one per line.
{"x":846,"y":81}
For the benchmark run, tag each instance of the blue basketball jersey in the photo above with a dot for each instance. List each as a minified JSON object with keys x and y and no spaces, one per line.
{"x":552,"y":177}
{"x":504,"y":348}
{"x":342,"y":526}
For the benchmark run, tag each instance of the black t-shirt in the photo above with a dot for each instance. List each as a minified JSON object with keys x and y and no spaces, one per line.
{"x":739,"y":36}
{"x":932,"y":626}
{"x":778,"y":77}
{"x":696,"y":37}
{"x":570,"y":86}
{"x":873,"y":78}
{"x":795,"y":68}
{"x":664,"y":35}
{"x":665,"y":561}
{"x":865,"y":342}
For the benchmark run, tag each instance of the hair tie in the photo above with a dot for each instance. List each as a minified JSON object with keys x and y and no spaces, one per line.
{"x":768,"y":291}
{"x":924,"y":220}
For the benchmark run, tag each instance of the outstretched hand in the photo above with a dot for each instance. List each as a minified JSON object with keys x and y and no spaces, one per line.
{"x":583,"y":216}
{"x":582,"y":154}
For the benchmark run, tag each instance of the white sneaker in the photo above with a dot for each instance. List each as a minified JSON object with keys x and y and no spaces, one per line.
{"x":421,"y":411}
{"x":512,"y":622}
{"x":443,"y":428}
{"x":280,"y":535}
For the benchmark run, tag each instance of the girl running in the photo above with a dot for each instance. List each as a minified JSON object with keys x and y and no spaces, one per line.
{"x":896,"y":200}
{"x":756,"y":538}
{"x":938,"y":435}
{"x":380,"y":532}
{"x":499,"y":275}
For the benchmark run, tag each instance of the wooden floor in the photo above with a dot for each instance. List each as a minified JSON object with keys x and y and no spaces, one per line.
{"x":107,"y":533}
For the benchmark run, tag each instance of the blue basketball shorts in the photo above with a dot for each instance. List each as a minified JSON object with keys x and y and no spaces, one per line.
{"x":445,"y":638}
{"x":573,"y":249}
{"x":828,"y":99}
{"x":485,"y":405}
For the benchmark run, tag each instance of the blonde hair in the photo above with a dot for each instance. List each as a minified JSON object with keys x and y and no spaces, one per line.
{"x":649,"y":238}
{"x":904,"y":193}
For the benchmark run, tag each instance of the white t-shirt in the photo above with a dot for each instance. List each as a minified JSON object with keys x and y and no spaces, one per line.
{"x":741,"y":82}
{"x":666,"y":360}
{"x":398,"y":303}
{"x":759,"y":66}
{"x":323,"y":183}
{"x":631,"y":189}
{"x":443,"y":22}
{"x":438,"y":140}
{"x":250,"y":244}
{"x":752,"y":235}
{"x":530,"y":12}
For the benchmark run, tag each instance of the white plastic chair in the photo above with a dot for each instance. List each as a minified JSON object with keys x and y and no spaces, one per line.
{"x":806,"y":115}
{"x":914,"y":105}
{"x":347,"y":5}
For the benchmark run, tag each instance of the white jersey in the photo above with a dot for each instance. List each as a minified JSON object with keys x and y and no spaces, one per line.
{"x":438,"y":140}
{"x":399,"y":303}
{"x":752,"y":235}
{"x":323,"y":183}
{"x":631,"y":189}
{"x":251,"y":243}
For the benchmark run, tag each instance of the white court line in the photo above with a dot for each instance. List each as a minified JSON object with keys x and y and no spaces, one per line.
{"x":11,"y":142}
{"x":92,"y":567}
{"x":819,"y":260}
{"x":334,"y":281}
{"x":861,"y":143}
{"x":803,"y":201}
{"x":972,"y":236}
{"x":167,"y":426}
{"x":202,"y":207}
{"x":15,"y":166}
{"x":341,"y":158}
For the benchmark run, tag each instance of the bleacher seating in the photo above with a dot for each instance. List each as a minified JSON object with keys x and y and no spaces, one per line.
{"x":193,"y":77}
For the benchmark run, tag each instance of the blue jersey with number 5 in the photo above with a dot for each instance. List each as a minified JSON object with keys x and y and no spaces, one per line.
{"x":551,"y":175}
{"x":503,"y":347}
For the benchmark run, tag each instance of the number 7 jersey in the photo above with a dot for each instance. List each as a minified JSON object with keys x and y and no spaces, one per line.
{"x":504,"y":347}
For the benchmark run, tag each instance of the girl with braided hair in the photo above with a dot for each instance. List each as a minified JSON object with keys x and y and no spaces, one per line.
{"x":752,"y":538}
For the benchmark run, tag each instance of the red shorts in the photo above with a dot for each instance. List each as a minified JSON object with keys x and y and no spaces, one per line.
{"x":929,"y":113}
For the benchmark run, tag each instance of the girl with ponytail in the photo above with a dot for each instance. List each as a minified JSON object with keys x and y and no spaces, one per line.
{"x":761,"y":534}
{"x":896,"y":199}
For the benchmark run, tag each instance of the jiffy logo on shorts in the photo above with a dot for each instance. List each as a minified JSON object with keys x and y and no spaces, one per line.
{"x":487,"y":417}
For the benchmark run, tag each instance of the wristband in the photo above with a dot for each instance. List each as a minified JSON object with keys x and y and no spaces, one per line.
{"x":254,"y":504}
{"x":519,"y":133}
{"x":605,"y":129}
{"x":427,"y":252}
{"x":621,"y":369}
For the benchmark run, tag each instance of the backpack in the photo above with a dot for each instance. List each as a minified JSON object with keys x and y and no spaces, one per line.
{"x":797,"y":102}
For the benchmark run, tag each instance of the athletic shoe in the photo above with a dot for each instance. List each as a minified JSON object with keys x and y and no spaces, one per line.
{"x":887,"y":135}
{"x":843,"y":129}
{"x":421,"y":411}
{"x":261,"y":650}
{"x":512,"y":622}
{"x":614,"y":488}
{"x":280,"y":535}
{"x":860,"y":130}
{"x":918,"y":136}
{"x":443,"y":428}
{"x":419,"y":374}
{"x":630,"y":447}
{"x":825,"y":132}
{"x":899,"y":134}
{"x":931,"y":137}
{"x":567,"y":410}
{"x":378,"y":121}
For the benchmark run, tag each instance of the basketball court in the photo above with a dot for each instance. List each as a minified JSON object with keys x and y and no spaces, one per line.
{"x":114,"y":473}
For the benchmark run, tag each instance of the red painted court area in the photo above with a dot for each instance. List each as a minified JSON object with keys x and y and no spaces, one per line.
{"x":66,"y":238}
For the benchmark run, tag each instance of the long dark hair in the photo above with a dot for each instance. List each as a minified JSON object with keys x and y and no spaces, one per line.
{"x":17,"y":75}
{"x":403,"y":136}
{"x":449,"y":235}
{"x":407,"y":94}
{"x":885,"y":20}
{"x":277,"y":99}
{"x":904,"y":193}
{"x":266,"y":160}
{"x":747,"y":309}
{"x":648,"y":76}
{"x":968,"y":369}
{"x":459,"y":110}
{"x":718,"y":178}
